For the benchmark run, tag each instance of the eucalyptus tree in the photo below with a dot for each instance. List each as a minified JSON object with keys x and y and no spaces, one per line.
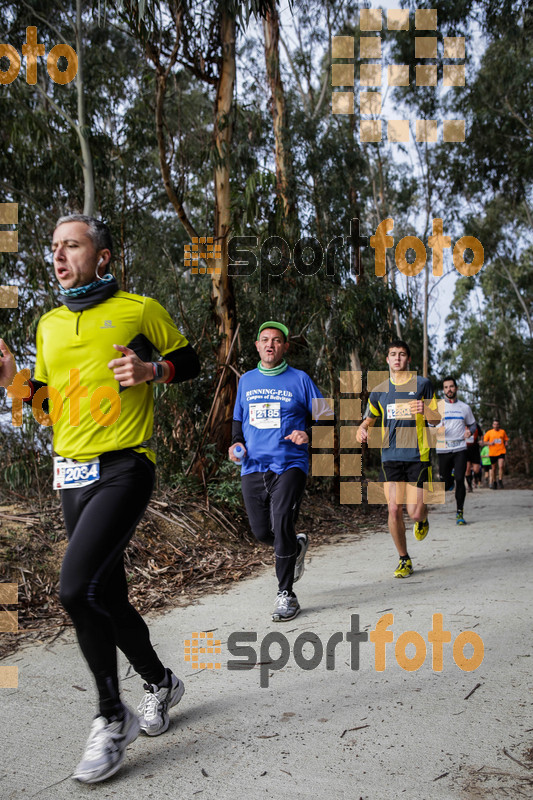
{"x":202,"y":40}
{"x":59,"y":143}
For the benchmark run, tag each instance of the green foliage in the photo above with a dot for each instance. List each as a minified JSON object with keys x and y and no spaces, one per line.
{"x":224,"y":488}
{"x":490,"y":346}
{"x":26,"y":461}
{"x":483,"y":187}
{"x":18,"y":475}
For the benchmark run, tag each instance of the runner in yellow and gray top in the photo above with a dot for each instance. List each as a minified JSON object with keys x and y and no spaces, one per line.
{"x":95,"y":351}
{"x":74,"y":347}
{"x":403,"y":404}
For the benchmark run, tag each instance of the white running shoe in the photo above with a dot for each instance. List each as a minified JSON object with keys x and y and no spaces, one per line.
{"x":286,"y":607}
{"x":106,"y":747}
{"x":153,"y":708}
{"x":303,"y":544}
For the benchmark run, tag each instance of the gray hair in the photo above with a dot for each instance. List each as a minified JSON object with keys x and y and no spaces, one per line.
{"x":98,"y":232}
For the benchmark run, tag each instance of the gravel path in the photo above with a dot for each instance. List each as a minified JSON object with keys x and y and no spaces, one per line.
{"x":342,"y":732}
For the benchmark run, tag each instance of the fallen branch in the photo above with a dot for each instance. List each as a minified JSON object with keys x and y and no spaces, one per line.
{"x":516,"y":760}
{"x":359,"y":728}
{"x":473,"y":690}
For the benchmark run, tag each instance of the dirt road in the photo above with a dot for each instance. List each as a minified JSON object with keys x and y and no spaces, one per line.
{"x":345,"y":732}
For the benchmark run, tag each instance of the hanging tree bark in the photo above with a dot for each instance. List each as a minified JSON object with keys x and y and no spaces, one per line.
{"x":216,"y":67}
{"x":79,"y":125}
{"x":222,"y":284}
{"x":284,"y":171}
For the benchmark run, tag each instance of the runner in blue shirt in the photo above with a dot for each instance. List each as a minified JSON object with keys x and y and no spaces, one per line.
{"x":404,"y":404}
{"x":275,"y":407}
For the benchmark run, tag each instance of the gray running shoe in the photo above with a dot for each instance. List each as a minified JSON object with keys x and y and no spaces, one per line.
{"x":303,"y":544}
{"x":106,"y":747}
{"x":153,"y":708}
{"x":286,"y":607}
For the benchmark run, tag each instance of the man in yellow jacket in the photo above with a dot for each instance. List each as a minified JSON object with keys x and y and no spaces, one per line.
{"x":95,"y":350}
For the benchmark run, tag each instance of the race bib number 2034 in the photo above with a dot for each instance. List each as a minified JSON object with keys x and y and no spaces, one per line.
{"x":70,"y":474}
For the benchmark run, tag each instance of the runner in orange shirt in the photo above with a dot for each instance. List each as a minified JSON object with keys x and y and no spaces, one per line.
{"x":496,"y":438}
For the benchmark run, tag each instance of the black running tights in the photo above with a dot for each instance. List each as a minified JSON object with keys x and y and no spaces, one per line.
{"x":457,"y":463}
{"x":272,"y":502}
{"x":100,"y":520}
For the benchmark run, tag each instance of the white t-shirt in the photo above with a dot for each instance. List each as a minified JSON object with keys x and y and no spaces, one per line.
{"x":457,"y":416}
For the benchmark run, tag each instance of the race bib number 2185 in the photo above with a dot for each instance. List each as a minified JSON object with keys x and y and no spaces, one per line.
{"x":265,"y":415}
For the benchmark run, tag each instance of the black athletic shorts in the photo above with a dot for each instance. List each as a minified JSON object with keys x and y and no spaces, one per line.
{"x":495,"y":459}
{"x":472,"y":453}
{"x":417,"y":472}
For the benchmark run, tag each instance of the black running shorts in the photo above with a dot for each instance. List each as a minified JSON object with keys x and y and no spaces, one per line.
{"x":417,"y":472}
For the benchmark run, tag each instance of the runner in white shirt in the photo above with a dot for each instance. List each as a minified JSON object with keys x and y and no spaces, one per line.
{"x":459,"y":423}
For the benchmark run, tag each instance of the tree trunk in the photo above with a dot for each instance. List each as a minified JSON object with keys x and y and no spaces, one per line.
{"x":355,"y":361}
{"x":222,"y":285}
{"x":357,"y":261}
{"x":81,"y":127}
{"x":284,"y":181}
{"x":425,"y":348}
{"x":222,"y":296}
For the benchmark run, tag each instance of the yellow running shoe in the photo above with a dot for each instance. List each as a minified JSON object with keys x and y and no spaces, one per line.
{"x":404,"y":568}
{"x":421,"y":529}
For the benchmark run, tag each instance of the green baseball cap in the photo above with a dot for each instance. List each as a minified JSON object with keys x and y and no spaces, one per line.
{"x":272,"y":324}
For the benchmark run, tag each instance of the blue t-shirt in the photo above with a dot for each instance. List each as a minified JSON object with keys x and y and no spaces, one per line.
{"x":407,"y":436}
{"x":271,"y":407}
